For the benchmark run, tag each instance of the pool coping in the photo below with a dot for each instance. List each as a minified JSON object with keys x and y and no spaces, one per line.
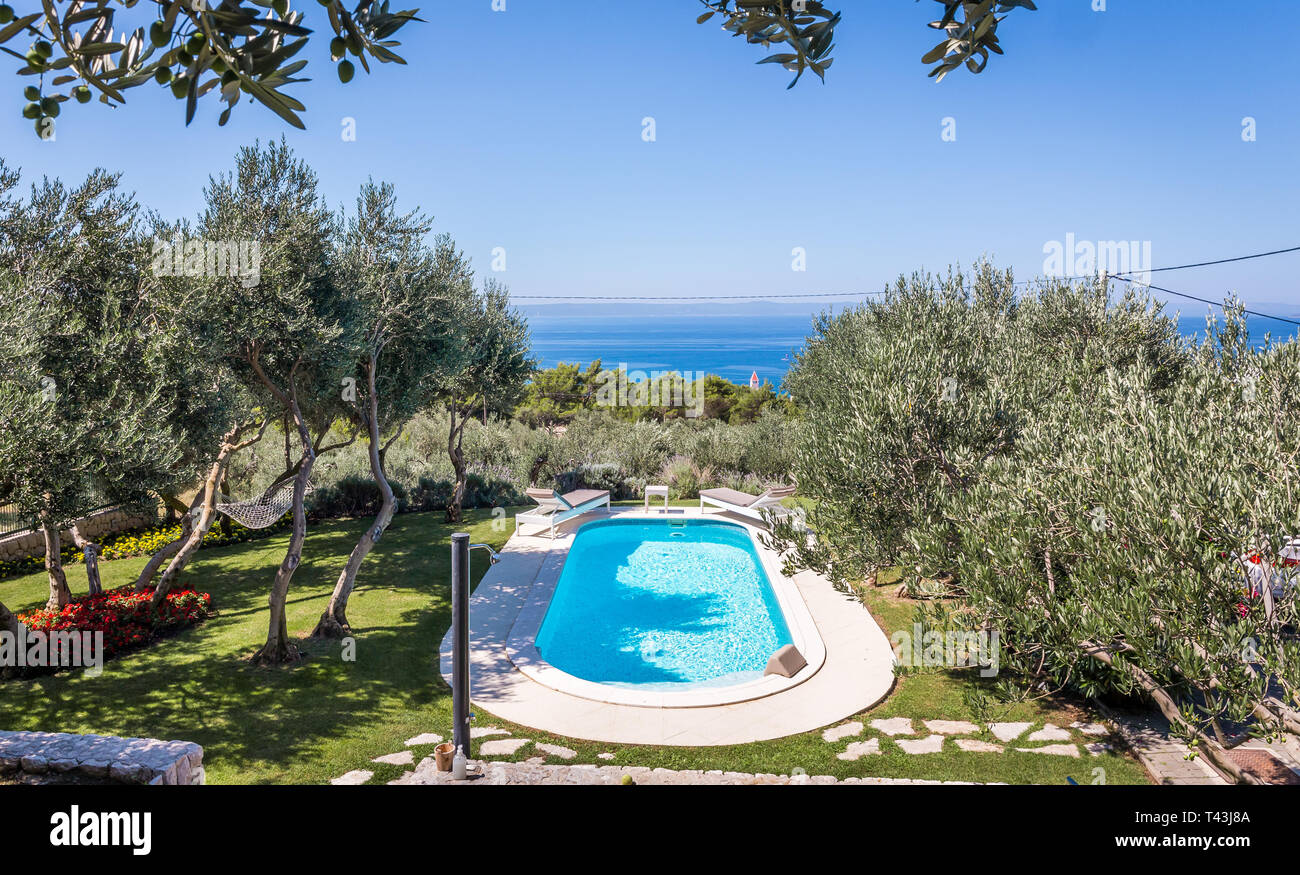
{"x":522,"y":650}
{"x":857,"y":673}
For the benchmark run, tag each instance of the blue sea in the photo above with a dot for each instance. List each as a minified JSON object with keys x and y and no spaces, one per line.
{"x":731,"y":341}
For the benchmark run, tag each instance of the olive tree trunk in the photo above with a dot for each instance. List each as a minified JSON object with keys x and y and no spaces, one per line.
{"x":90,"y":552}
{"x":8,"y":620}
{"x":278,"y":649}
{"x":168,"y":550}
{"x":1207,"y":746}
{"x":334,"y":622}
{"x":204,"y":510}
{"x":60,"y":595}
{"x":455,"y":452}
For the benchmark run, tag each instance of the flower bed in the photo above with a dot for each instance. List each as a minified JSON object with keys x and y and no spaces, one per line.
{"x":124,"y":616}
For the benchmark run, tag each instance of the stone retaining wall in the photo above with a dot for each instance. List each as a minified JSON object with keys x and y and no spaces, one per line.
{"x":97,"y":526}
{"x":121,"y":760}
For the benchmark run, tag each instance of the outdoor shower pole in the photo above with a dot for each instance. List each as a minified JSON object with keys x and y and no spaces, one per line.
{"x":460,"y":641}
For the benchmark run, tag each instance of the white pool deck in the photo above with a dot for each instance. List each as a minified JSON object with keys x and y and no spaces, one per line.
{"x":850,"y":659}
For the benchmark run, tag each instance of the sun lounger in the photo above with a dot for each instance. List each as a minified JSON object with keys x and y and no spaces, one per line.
{"x":553,"y":508}
{"x":745,"y":504}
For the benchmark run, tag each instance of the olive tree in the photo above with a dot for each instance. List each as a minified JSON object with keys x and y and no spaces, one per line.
{"x":494,"y":366}
{"x":910,"y":397}
{"x":406,"y":299}
{"x":80,"y":50}
{"x":279,"y":319}
{"x":230,"y":419}
{"x":1135,"y":542}
{"x":84,"y":390}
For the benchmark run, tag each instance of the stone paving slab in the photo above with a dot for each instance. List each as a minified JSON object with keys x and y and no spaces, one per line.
{"x":929,"y":744}
{"x":894,"y":726}
{"x":951,"y":727}
{"x":487,"y":774}
{"x":353,"y":778}
{"x":1008,"y":731}
{"x":424,"y":738}
{"x":859,"y":749}
{"x":836,"y":733}
{"x":126,"y":760}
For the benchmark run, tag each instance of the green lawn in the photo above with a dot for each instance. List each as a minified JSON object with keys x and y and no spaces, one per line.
{"x":326,"y":716}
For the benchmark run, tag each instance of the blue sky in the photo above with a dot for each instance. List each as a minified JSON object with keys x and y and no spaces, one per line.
{"x":522,"y":129}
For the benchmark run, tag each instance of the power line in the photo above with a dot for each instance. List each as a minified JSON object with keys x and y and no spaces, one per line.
{"x":1208,"y":263}
{"x":688,"y":297}
{"x":1121,"y":275}
{"x":1204,"y":300}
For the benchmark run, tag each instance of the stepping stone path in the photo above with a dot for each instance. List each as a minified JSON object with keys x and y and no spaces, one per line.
{"x":352,"y":778}
{"x":859,"y":749}
{"x":534,"y":769}
{"x":932,"y":744}
{"x":1095,"y":729}
{"x":502,"y":747}
{"x":835,"y":733}
{"x":555,"y":750}
{"x":894,"y":726}
{"x":486,"y":774}
{"x":427,"y":738}
{"x":1008,"y":731}
{"x":1060,"y":750}
{"x":951,"y":727}
{"x":482,"y":731}
{"x":1050,"y":732}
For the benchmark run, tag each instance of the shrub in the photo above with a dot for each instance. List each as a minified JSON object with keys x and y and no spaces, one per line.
{"x":685,"y":479}
{"x":602,"y":475}
{"x":430,"y":494}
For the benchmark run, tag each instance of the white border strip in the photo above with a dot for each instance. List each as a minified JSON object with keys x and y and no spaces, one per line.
{"x":522,"y":649}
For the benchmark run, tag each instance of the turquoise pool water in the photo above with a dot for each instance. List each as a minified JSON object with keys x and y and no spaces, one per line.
{"x":662,"y":604}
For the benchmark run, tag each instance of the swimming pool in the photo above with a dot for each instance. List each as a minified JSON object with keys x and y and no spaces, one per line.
{"x":662,"y":604}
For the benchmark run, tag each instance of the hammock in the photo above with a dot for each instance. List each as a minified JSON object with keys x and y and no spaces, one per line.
{"x":264,"y":510}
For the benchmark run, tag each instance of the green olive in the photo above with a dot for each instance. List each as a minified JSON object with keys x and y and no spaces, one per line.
{"x":6,"y":13}
{"x":338,"y":46}
{"x":180,"y":87}
{"x":31,"y":92}
{"x":82,"y":94}
{"x":32,"y":110}
{"x":50,"y":107}
{"x":162,"y":75}
{"x":159,"y":35}
{"x":43,"y":48}
{"x":346,"y":71}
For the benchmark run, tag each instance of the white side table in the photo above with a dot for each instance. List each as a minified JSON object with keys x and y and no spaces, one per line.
{"x":656,"y":491}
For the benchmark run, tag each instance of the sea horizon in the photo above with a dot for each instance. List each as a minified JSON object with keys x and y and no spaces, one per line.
{"x":731,"y":341}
